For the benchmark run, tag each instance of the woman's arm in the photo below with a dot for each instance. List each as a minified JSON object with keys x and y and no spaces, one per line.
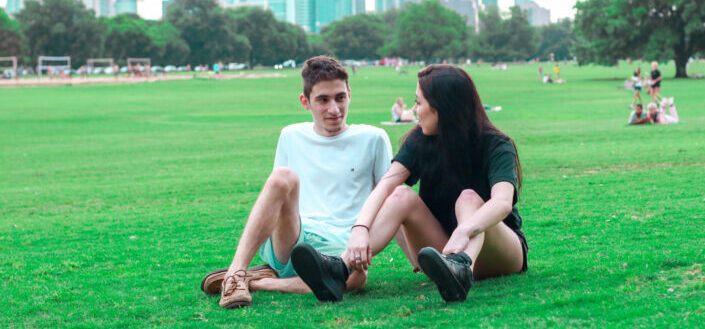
{"x":359,"y":243}
{"x":490,"y":214}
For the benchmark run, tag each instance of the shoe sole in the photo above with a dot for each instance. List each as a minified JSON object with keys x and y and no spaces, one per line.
{"x":433,"y":265}
{"x":309,"y":267}
{"x":237,"y":305}
{"x":211,"y":283}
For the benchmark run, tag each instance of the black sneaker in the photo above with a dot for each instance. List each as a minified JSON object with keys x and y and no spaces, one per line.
{"x":451,"y":273}
{"x":325,"y":275}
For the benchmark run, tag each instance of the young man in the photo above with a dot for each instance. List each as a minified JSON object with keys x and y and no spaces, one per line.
{"x":638,"y":116}
{"x":323,"y":173}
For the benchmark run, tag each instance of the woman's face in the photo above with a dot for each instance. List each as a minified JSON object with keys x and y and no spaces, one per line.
{"x":428,"y":116}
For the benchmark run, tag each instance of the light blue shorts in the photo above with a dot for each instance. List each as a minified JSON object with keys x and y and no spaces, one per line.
{"x":328,"y":239}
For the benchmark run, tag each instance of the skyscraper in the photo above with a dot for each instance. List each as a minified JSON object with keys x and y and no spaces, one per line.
{"x":538,"y":16}
{"x":13,"y":6}
{"x":125,"y":6}
{"x":466,"y":8}
{"x":330,"y":10}
{"x":382,"y":5}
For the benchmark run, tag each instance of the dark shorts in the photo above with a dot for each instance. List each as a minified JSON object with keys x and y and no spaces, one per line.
{"x":656,"y":85}
{"x":524,"y":248}
{"x":637,"y":88}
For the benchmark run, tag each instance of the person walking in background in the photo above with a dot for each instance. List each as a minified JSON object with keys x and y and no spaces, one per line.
{"x":655,"y":83}
{"x":557,"y":70}
{"x":637,"y":82}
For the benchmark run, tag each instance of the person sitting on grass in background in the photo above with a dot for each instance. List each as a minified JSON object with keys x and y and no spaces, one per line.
{"x":658,"y":115}
{"x":637,"y":83}
{"x":401,"y":114}
{"x":638,"y":116}
{"x":463,"y":224}
{"x":323,"y":173}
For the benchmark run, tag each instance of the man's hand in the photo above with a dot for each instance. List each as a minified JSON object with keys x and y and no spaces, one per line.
{"x":358,"y":253}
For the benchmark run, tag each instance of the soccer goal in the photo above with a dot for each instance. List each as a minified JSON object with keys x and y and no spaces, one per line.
{"x":106,"y":63}
{"x":53,"y":64}
{"x":139,"y":66}
{"x":13,"y":65}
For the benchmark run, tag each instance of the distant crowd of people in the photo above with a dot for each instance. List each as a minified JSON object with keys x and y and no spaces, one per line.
{"x":656,"y":109}
{"x":546,"y":78}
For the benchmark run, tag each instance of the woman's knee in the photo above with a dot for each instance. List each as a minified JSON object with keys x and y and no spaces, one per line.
{"x":471,"y":198}
{"x":403,"y":195}
{"x":282,"y":179}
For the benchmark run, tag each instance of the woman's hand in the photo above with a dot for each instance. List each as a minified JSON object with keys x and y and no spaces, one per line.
{"x":458,"y":241}
{"x":358,"y":253}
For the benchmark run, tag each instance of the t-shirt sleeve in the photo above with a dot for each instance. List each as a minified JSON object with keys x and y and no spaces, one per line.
{"x":383,"y":156}
{"x":502,"y":166}
{"x":632,"y":117}
{"x":281,"y":158}
{"x":405,"y":156}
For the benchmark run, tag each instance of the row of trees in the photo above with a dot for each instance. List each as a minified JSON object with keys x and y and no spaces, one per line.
{"x":428,"y":30}
{"x":200,"y":32}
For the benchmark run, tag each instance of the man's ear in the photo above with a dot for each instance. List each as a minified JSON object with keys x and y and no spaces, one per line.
{"x":304,"y":102}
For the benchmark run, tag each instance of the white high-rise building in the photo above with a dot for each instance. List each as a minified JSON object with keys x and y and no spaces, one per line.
{"x":538,"y":16}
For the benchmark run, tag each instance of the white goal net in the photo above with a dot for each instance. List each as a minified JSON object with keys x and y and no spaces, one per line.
{"x":53,"y":65}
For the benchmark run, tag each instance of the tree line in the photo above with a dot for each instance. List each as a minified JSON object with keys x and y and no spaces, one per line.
{"x":201,"y":32}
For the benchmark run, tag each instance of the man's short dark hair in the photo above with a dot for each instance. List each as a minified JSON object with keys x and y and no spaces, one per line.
{"x":321,"y":68}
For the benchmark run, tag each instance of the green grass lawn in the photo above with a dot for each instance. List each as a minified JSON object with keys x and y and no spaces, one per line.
{"x":115,"y":200}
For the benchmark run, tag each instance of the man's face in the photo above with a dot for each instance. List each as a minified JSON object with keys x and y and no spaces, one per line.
{"x":328,"y":103}
{"x":638,"y":110}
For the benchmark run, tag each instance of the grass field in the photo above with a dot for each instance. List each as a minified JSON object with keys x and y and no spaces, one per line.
{"x":116,"y":199}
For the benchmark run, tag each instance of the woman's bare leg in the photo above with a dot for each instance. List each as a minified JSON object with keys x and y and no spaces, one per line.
{"x":404,"y":211}
{"x":495,"y":252}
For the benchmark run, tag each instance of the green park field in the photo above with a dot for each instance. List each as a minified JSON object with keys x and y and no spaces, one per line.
{"x":115,"y":200}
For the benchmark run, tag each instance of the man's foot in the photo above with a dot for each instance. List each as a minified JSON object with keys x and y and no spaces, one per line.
{"x":213,"y":281}
{"x":325,"y":275}
{"x":235,"y":291}
{"x":451,"y":273}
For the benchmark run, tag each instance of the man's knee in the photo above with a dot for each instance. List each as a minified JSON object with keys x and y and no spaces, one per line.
{"x":471,"y":198}
{"x":282,"y":179}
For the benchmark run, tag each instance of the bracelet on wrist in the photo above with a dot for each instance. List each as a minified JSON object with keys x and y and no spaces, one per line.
{"x":360,"y":225}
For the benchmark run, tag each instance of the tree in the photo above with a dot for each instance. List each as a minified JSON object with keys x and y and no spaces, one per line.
{"x":272,"y":41}
{"x":127,"y":37}
{"x":356,"y":37}
{"x":61,"y":28}
{"x":208,"y":32}
{"x":171,"y":49}
{"x":510,"y":39}
{"x":427,"y":30}
{"x":130,"y":36}
{"x":12,"y":42}
{"x":556,"y":38}
{"x":608,"y":30}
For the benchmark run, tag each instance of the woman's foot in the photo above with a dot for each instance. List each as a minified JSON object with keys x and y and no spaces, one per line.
{"x":451,"y":273}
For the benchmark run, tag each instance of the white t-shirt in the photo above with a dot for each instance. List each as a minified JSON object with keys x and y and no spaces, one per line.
{"x":336,"y":174}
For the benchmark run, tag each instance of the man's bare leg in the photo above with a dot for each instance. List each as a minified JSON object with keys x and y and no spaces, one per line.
{"x":295,"y":285}
{"x":275,"y":214}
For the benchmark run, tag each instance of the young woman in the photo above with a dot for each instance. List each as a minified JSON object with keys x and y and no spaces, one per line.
{"x":637,"y":80}
{"x":463,"y":224}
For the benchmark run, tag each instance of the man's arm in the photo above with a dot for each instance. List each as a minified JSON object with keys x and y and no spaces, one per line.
{"x":641,"y":121}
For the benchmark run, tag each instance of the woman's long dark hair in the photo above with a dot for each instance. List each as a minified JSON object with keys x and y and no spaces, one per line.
{"x":462,"y":122}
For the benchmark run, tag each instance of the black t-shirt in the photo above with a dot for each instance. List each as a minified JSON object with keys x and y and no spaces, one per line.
{"x":498,"y":164}
{"x":654,"y":75}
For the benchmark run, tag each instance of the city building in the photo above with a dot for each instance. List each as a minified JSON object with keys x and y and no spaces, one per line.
{"x":125,"y":6}
{"x":538,"y":16}
{"x":383,"y":5}
{"x":165,"y":5}
{"x":13,"y":6}
{"x":466,"y":8}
